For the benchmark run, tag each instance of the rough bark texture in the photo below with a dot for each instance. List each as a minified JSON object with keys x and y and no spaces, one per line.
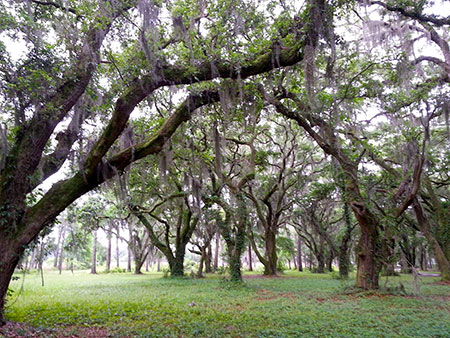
{"x":271,"y":252}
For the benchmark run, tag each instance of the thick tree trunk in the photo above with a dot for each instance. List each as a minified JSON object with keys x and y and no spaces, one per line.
{"x":299,"y":254}
{"x":367,"y":275}
{"x":176,"y":266}
{"x":94,"y":254}
{"x":234,"y":262}
{"x":138,"y":263}
{"x":330,"y":258}
{"x":270,"y":268}
{"x":320,"y":262}
{"x":9,"y":258}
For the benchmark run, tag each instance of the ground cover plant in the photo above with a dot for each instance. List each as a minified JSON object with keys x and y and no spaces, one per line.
{"x":293,"y":305}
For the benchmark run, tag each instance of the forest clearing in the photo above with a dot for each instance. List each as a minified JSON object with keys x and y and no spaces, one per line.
{"x":297,"y":304}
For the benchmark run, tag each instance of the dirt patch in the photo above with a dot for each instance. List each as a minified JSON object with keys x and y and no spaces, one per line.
{"x":261,"y":276}
{"x":23,"y":330}
{"x":265,"y":295}
{"x":443,"y":282}
{"x":444,"y":298}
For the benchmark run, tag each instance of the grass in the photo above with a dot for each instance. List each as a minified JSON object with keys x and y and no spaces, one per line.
{"x":296,"y":305}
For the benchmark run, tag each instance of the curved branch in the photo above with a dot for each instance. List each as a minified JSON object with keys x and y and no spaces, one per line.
{"x":414,"y":15}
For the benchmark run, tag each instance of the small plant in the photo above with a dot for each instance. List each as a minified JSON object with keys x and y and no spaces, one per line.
{"x":10,"y":291}
{"x":222,"y":270}
{"x":118,"y":270}
{"x":166,"y":272}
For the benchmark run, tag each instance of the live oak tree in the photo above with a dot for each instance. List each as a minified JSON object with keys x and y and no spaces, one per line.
{"x":271,"y":189}
{"x":97,"y":61}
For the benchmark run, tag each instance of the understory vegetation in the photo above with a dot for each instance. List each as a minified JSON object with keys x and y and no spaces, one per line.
{"x":298,"y":304}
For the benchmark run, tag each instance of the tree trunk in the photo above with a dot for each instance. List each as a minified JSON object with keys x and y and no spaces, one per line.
{"x":117,"y":248}
{"x":250,"y":262}
{"x":344,"y":254}
{"x":320,"y":262}
{"x":367,"y":275}
{"x":423,"y":259}
{"x":55,"y":262}
{"x":61,"y":260}
{"x":234,"y":262}
{"x":33,"y":259}
{"x":158,"y":264}
{"x":441,"y":259}
{"x":208,"y":259}
{"x":94,"y":254}
{"x":216,"y":252}
{"x":176,"y":265}
{"x":147,"y":262}
{"x":271,"y":251}
{"x":202,"y":261}
{"x":108,"y":253}
{"x":299,"y":254}
{"x":8,"y":262}
{"x":330,"y":258}
{"x":129,"y":259}
{"x":138,"y":263}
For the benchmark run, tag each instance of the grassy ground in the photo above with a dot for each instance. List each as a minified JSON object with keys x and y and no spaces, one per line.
{"x":296,"y":305}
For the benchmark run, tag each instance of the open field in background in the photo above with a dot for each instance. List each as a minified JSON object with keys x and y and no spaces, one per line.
{"x":295,"y":305}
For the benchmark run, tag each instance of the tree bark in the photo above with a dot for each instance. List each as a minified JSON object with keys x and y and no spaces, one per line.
{"x":176,"y":264}
{"x":216,"y":252}
{"x":320,"y":262}
{"x":129,"y":259}
{"x":208,"y":258}
{"x":108,"y":252}
{"x":270,"y":269}
{"x":299,"y":254}
{"x":250,"y":263}
{"x":9,"y":259}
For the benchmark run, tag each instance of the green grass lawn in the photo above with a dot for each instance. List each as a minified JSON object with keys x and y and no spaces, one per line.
{"x":296,"y":305}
